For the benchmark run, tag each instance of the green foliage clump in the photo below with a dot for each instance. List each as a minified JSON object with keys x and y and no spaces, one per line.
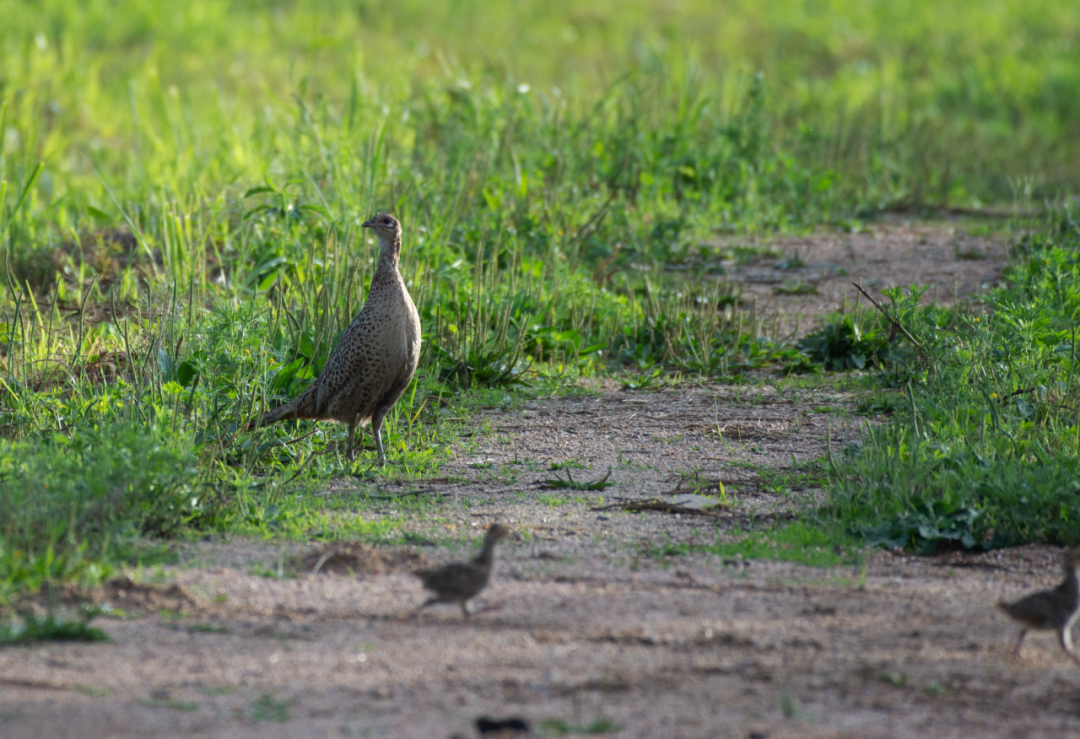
{"x":842,"y":344}
{"x":69,"y":505}
{"x":51,"y":628}
{"x":984,"y":451}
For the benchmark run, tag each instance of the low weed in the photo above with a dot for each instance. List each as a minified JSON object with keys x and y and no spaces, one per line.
{"x":175,"y":705}
{"x":51,"y":628}
{"x":559,"y":727}
{"x":798,"y":477}
{"x":266,"y":708}
{"x":645,"y":381}
{"x":842,"y":344}
{"x":208,"y":629}
{"x":791,"y":707}
{"x":571,"y":484}
{"x":877,"y":404}
{"x":214,"y":690}
{"x":896,"y":679}
{"x":794,"y":288}
{"x":93,"y":691}
{"x":969,"y":254}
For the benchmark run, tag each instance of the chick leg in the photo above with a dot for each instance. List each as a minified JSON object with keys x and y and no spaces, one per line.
{"x":425,"y":604}
{"x":1065,"y":637}
{"x":1019,"y":643}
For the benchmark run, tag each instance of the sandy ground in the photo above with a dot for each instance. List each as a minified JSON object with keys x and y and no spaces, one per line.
{"x":899,"y":252}
{"x":691,"y":648}
{"x":598,"y":628}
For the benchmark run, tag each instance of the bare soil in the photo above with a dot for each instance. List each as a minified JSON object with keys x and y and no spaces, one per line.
{"x":598,"y":628}
{"x":812,"y":276}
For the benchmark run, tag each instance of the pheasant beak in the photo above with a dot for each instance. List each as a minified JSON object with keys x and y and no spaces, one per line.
{"x":368,"y":224}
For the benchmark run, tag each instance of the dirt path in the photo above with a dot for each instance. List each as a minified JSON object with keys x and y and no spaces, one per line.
{"x":691,"y":648}
{"x":809,"y":276}
{"x":616,"y":621}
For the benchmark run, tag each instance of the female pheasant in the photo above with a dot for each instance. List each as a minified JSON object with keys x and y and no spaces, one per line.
{"x":372,"y":365}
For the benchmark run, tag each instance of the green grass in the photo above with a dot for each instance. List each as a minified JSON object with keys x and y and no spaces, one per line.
{"x":208,"y":629}
{"x":186,"y":706}
{"x":798,"y":542}
{"x":983,"y":449}
{"x":268,"y":709}
{"x":50,"y":628}
{"x":93,"y":691}
{"x":181,"y":191}
{"x":70,"y":502}
{"x":213,"y":690}
{"x":559,"y":727}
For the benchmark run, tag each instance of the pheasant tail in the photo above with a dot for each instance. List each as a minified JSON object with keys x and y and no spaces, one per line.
{"x":300,"y":407}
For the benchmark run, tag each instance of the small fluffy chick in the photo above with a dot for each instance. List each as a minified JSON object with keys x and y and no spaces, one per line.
{"x":458,"y":582}
{"x":1051,"y":610}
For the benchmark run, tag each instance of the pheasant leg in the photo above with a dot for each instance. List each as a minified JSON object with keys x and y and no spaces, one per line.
{"x":350,"y":450}
{"x":1019,"y":643}
{"x":376,"y":431}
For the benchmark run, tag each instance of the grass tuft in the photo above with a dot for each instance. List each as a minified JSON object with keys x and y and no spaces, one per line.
{"x":50,"y":628}
{"x":571,"y":484}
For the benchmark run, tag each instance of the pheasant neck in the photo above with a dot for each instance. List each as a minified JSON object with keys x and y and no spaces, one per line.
{"x":486,"y":558}
{"x":389,"y":253}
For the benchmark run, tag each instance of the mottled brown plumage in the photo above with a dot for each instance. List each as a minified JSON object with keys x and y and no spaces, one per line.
{"x":1051,"y":610}
{"x":460,"y":581}
{"x":372,"y":365}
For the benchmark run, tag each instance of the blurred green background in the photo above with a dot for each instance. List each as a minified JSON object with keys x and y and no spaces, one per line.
{"x":866,"y":104}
